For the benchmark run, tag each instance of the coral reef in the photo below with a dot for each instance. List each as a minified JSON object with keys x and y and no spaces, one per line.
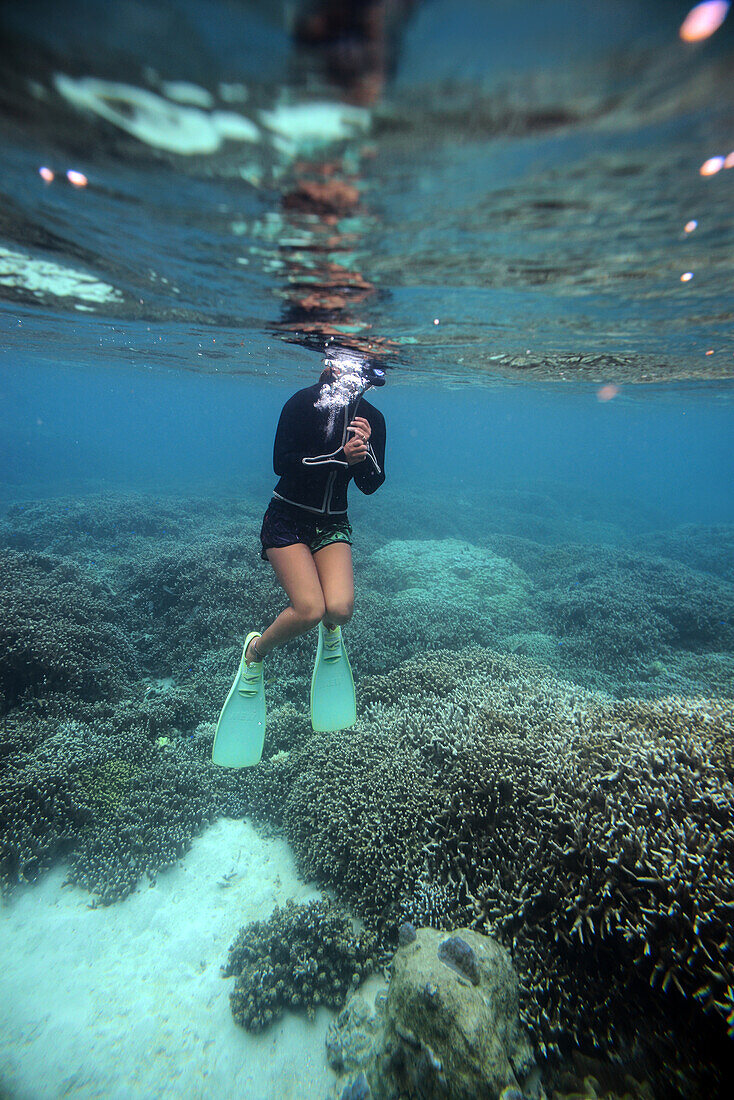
{"x":617,"y":607}
{"x":73,"y":525}
{"x":110,"y":655}
{"x":411,"y":603}
{"x":117,"y":805}
{"x":178,"y":578}
{"x":708,"y":549}
{"x":629,"y":623}
{"x":592,"y":837}
{"x":625,"y":621}
{"x":591,"y":834}
{"x":58,"y":631}
{"x":182,"y":583}
{"x":303,"y":956}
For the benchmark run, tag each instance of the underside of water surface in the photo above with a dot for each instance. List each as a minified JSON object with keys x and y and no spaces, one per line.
{"x":473,"y":190}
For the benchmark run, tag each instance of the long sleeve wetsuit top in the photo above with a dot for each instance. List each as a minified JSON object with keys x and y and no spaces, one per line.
{"x":309,"y":458}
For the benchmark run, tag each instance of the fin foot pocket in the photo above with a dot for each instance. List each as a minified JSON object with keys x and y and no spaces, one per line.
{"x":238,"y":741}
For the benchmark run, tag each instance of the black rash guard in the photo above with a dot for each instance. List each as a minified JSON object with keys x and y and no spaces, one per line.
{"x":309,"y":458}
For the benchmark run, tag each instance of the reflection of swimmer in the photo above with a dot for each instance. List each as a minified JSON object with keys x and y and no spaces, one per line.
{"x":323,"y":296}
{"x":327,"y":436}
{"x":356,"y":42}
{"x":324,"y":293}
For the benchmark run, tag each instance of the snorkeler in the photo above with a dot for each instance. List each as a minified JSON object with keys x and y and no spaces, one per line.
{"x":327,"y":435}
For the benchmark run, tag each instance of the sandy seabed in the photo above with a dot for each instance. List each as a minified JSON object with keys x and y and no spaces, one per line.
{"x":128,"y":1001}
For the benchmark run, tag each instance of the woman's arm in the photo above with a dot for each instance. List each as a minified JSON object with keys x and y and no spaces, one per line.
{"x":370,"y":473}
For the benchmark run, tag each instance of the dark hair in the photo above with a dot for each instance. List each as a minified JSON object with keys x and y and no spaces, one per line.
{"x":327,"y":374}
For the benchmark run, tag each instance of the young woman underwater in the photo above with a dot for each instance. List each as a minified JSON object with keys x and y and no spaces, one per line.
{"x":327,"y":436}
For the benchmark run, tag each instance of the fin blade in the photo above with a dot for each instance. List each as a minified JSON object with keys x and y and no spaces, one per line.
{"x":333,"y":702}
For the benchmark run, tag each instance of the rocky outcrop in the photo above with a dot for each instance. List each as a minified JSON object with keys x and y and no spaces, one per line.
{"x":448,"y":1026}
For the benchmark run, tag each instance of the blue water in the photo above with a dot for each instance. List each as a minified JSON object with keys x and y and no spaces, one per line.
{"x":667,"y":450}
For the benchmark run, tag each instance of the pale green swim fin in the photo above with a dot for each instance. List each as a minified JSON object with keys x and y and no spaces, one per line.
{"x":238,"y":742}
{"x":333,"y":705}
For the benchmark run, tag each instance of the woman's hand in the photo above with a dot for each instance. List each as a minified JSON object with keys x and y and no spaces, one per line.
{"x":355,"y":448}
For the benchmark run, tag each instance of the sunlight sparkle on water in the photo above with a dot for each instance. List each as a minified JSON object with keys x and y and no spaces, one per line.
{"x":690,"y":226}
{"x":703,"y":20}
{"x":607,"y":393}
{"x":78,"y":179}
{"x":46,"y":174}
{"x":686,"y":276}
{"x":711,"y":166}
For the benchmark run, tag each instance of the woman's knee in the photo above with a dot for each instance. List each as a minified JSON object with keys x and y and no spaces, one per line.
{"x":309,"y":611}
{"x":340,"y":612}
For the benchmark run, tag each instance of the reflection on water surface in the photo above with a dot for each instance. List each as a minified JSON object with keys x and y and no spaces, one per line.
{"x":522,"y":174}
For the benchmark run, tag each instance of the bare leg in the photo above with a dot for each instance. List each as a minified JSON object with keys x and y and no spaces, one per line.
{"x":295,"y":569}
{"x":336,"y":576}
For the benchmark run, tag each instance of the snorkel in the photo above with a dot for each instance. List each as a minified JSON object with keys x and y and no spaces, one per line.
{"x":346,"y":376}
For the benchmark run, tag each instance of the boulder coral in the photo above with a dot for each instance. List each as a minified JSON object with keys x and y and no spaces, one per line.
{"x":435,"y":593}
{"x":470,"y":575}
{"x":453,"y":1031}
{"x":439,"y":1031}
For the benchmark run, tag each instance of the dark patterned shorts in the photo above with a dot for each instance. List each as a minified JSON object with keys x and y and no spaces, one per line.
{"x":285,"y":524}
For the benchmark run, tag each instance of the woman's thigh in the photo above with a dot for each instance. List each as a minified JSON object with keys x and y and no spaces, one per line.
{"x":336,"y":575}
{"x":297,"y":575}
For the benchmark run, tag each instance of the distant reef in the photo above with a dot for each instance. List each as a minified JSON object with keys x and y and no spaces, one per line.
{"x":544,"y":751}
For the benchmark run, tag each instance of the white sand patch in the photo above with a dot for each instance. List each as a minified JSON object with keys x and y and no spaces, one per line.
{"x":128,"y":1001}
{"x":184,"y":92}
{"x":305,"y":125}
{"x":154,"y":120}
{"x":40,"y":277}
